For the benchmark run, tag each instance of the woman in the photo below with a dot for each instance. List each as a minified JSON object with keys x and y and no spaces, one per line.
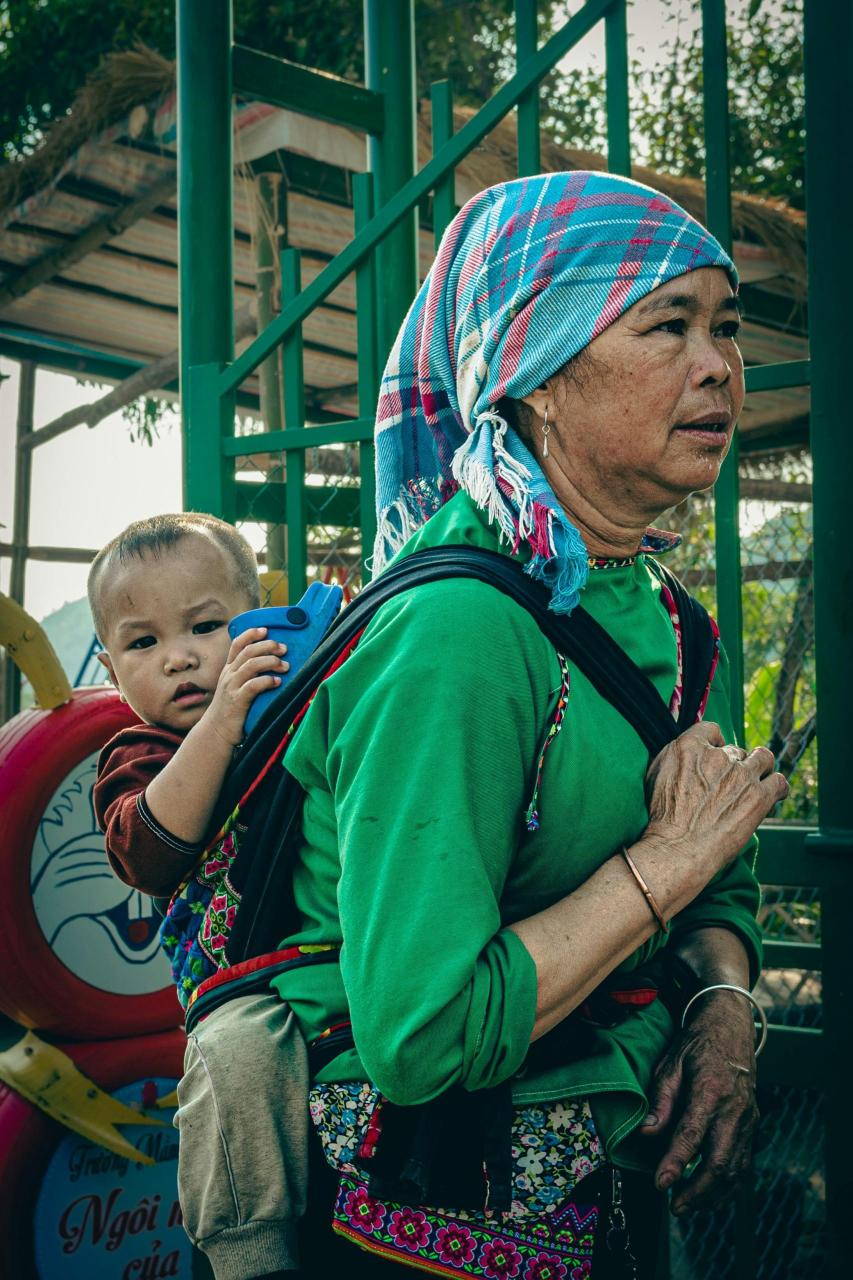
{"x":568,"y":371}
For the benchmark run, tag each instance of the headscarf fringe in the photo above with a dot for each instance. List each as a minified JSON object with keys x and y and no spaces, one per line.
{"x":500,"y":484}
{"x":479,"y":467}
{"x":395,"y":525}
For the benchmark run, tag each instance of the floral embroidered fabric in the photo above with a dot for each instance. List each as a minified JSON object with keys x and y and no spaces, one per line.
{"x":558,"y":1247}
{"x":554,"y":1144}
{"x":196,"y":927}
{"x":545,"y":1235}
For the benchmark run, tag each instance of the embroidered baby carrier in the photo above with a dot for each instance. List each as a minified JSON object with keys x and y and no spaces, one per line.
{"x":222,"y":927}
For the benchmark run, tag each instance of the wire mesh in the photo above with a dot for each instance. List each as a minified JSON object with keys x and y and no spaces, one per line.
{"x":785,"y":1205}
{"x":778,"y":614}
{"x":333,"y":536}
{"x":778,"y":620}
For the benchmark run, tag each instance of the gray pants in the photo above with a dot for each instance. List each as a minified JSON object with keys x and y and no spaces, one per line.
{"x":243,"y":1122}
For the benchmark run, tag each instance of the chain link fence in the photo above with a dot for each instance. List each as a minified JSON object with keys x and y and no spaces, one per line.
{"x":332,"y":499}
{"x":778,"y":622}
{"x":784,"y":1208}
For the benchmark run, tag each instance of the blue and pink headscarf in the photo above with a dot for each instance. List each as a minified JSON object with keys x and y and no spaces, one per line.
{"x":527,"y":274}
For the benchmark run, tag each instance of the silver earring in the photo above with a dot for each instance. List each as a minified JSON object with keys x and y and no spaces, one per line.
{"x":546,"y":431}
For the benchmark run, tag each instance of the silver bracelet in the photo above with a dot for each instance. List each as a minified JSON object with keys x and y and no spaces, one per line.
{"x":761,"y":1021}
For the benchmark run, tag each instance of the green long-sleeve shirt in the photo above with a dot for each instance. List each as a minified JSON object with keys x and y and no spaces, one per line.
{"x":418,"y":758}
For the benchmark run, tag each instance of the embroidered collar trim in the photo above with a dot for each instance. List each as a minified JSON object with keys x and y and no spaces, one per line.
{"x":656,"y":542}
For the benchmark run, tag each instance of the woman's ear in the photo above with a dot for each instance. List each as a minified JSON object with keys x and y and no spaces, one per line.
{"x":539,"y":400}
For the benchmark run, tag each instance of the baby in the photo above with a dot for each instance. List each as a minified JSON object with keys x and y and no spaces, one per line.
{"x":161,"y":595}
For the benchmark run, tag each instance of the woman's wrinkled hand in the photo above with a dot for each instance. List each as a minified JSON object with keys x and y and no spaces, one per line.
{"x":702,"y":1103}
{"x":707,"y":797}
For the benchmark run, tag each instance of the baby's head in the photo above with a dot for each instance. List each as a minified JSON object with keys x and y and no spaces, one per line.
{"x":161,"y":594}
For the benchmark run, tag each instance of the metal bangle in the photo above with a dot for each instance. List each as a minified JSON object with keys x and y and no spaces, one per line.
{"x":645,"y":890}
{"x":761,"y":1022}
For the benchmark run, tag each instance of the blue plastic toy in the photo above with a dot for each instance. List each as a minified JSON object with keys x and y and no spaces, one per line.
{"x":300,"y":626}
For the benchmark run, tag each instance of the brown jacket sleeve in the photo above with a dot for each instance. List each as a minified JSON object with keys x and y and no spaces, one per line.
{"x":141,"y":851}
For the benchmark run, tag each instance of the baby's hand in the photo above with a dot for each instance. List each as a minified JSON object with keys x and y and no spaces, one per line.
{"x":250,"y":668}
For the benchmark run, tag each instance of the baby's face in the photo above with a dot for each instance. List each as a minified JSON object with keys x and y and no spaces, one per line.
{"x":167,"y":637}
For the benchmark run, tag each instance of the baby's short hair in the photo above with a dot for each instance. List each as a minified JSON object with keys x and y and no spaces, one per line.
{"x":160,"y":532}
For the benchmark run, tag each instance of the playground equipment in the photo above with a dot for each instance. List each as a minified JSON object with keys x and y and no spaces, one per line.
{"x":79,"y":950}
{"x":80,"y":958}
{"x":73,"y":1209}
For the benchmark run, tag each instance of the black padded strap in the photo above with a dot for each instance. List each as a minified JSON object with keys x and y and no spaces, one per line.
{"x":584,"y":642}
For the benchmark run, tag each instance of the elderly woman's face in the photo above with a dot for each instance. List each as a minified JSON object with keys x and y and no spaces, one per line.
{"x":653,"y":408}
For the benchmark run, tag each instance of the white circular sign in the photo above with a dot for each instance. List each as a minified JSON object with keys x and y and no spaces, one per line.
{"x":104,"y":932}
{"x":102,"y":1216}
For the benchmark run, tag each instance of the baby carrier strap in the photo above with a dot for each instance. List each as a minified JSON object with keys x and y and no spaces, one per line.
{"x":584,"y":641}
{"x":261,"y":873}
{"x":700,"y":646}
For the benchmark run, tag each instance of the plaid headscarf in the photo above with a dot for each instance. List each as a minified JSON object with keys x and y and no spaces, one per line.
{"x":527,"y":274}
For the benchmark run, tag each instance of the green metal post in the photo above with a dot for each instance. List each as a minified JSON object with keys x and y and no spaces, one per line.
{"x":269,"y":242}
{"x":270,"y":197}
{"x":618,"y":108}
{"x":527,"y":111}
{"x":389,"y":57}
{"x":294,"y":417}
{"x":368,"y":369}
{"x":205,"y":487}
{"x":205,"y":238}
{"x":718,"y":216}
{"x":443,"y":198}
{"x":398,"y":208}
{"x":20,"y":519}
{"x":828,"y":50}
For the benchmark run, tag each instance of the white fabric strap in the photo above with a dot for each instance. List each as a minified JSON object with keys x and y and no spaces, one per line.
{"x":761,"y":1020}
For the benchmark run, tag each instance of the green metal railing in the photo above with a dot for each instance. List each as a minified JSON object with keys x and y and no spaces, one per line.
{"x":384,"y":249}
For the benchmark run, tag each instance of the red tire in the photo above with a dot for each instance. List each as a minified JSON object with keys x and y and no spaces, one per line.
{"x":67,"y":1206}
{"x":79,"y":951}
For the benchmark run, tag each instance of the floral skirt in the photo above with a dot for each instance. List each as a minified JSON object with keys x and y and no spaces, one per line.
{"x":545,"y":1235}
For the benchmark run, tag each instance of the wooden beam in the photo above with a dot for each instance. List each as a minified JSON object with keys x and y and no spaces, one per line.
{"x":106,"y":228}
{"x":772,"y":571}
{"x":775,"y":490}
{"x":150,"y":377}
{"x":52,"y":555}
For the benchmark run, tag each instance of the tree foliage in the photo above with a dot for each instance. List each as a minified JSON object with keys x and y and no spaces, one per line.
{"x":48,"y":47}
{"x":766,"y":99}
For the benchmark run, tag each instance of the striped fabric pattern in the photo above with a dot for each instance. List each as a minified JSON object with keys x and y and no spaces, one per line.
{"x":527,"y":274}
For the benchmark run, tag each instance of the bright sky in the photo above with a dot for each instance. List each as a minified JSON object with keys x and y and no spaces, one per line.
{"x":87,"y":484}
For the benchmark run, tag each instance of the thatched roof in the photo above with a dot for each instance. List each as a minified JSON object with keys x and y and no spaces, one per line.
{"x":117,"y":145}
{"x":766,"y":224}
{"x":121,"y":82}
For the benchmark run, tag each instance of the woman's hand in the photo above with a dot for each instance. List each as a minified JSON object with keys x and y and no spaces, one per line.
{"x":253,"y":665}
{"x":703,"y":1099}
{"x":707,"y":797}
